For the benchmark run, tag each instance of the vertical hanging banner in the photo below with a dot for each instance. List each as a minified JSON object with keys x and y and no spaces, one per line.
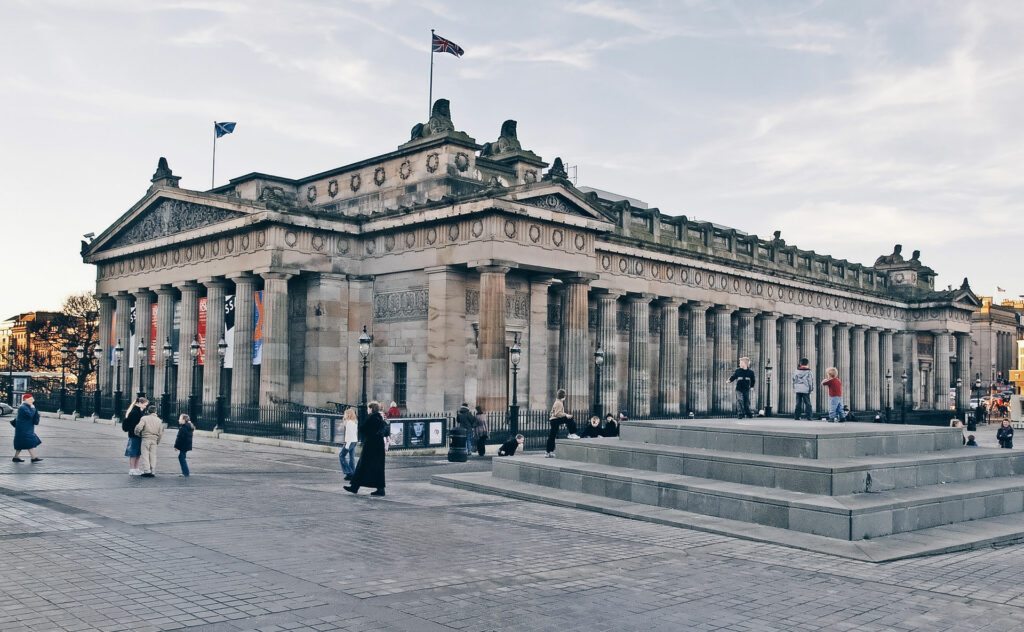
{"x":229,"y":330}
{"x":113,"y":335}
{"x":201,"y":330}
{"x":152,"y":333}
{"x":257,"y":334}
{"x":131,"y":338}
{"x":176,"y":331}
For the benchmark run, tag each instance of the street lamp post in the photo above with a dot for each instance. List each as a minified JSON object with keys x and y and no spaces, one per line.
{"x":193,"y":399}
{"x":141,"y":366}
{"x":80,"y":354}
{"x":64,"y":353}
{"x":515,"y":355}
{"x":165,"y":397}
{"x":222,"y":350}
{"x":97,"y":353}
{"x":364,"y":351}
{"x":959,"y":385}
{"x":118,"y":360}
{"x":888,"y":396}
{"x":11,"y":352}
{"x":598,"y":361}
{"x":768,"y":387}
{"x":903,"y":414}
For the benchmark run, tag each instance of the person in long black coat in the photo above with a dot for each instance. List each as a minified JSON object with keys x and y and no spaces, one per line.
{"x":370,"y":468}
{"x":25,"y":430}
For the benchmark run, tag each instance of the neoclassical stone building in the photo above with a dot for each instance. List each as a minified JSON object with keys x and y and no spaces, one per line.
{"x":448,"y":251}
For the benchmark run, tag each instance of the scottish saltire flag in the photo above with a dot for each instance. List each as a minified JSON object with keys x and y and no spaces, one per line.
{"x":226,"y":128}
{"x":441,"y":45}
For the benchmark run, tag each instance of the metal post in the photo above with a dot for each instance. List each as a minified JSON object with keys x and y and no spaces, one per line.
{"x":193,"y":400}
{"x":141,"y":365}
{"x":11,"y":351}
{"x":903,"y":415}
{"x":598,"y":362}
{"x":768,"y":390}
{"x":97,"y":402}
{"x":888,"y":396}
{"x":80,"y":354}
{"x":165,"y":397}
{"x":365,"y":340}
{"x":515,"y":355}
{"x":219,"y":413}
{"x":63,"y":364}
{"x":118,"y":395}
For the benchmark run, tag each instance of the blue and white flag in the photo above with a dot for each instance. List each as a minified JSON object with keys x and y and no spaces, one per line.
{"x":223,"y":128}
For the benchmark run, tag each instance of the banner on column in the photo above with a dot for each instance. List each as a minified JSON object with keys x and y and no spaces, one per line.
{"x":131,"y":338}
{"x":229,"y":330}
{"x":152,"y":333}
{"x":257,"y":333}
{"x":176,"y":332}
{"x":201,"y":331}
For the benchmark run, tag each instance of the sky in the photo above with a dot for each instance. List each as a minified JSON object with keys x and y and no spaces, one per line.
{"x":849,"y":126}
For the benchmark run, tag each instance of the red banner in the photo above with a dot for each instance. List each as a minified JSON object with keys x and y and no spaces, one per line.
{"x":152,"y":333}
{"x":202,"y":330}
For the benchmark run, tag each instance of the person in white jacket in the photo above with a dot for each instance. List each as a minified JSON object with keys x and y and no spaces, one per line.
{"x":350,"y":439}
{"x":150,"y":429}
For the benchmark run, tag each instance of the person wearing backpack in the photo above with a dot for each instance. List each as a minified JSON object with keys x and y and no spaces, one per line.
{"x":370,"y":468}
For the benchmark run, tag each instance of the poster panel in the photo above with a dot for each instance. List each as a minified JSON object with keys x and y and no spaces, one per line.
{"x":201,"y":331}
{"x":229,"y":330}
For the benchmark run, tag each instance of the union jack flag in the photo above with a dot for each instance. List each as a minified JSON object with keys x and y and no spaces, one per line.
{"x":441,"y":45}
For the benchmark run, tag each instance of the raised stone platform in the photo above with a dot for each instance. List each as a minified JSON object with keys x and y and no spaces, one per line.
{"x":852,"y":483}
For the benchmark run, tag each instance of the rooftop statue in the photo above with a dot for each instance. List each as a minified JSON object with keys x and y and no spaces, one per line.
{"x":557,"y":171}
{"x":439,"y":123}
{"x":507,"y":141}
{"x":895,"y":257}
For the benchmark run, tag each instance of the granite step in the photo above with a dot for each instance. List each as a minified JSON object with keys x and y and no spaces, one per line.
{"x":833,"y":476}
{"x":846,"y":517}
{"x":786,"y":437}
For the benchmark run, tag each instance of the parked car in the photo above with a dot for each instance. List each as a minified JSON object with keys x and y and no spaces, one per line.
{"x":5,"y":409}
{"x":974,"y":402}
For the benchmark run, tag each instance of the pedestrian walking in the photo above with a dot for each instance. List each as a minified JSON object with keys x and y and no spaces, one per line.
{"x":744,"y":379}
{"x":509,"y":447}
{"x":611,"y":427}
{"x":150,"y":430}
{"x":1005,"y":435}
{"x":351,"y":437}
{"x":835,"y":395}
{"x":25,"y":423}
{"x":558,"y":417}
{"x":467,"y":420}
{"x":480,"y":431}
{"x":134,"y":448}
{"x":370,"y":468}
{"x":183,"y":442}
{"x":803,"y":384}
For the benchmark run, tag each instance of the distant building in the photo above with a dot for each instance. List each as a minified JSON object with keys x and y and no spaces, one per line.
{"x":27,"y":335}
{"x":995,"y":330}
{"x":450,"y":252}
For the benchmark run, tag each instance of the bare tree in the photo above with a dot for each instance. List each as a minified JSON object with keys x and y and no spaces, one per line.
{"x":77,"y":324}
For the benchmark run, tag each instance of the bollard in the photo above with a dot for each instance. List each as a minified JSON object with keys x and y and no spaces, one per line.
{"x":457,"y":446}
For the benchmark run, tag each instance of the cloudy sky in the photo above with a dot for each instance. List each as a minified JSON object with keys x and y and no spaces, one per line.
{"x":849,"y":126}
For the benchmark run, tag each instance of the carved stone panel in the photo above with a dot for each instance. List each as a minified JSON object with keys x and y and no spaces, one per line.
{"x":170,"y":217}
{"x":403,"y":305}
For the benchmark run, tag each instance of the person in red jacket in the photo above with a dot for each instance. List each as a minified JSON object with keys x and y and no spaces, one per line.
{"x":835,"y":395}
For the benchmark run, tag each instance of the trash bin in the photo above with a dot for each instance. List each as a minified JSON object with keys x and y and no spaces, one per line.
{"x":457,"y":446}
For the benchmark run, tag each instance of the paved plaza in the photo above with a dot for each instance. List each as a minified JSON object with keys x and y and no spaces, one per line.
{"x":264,"y":538}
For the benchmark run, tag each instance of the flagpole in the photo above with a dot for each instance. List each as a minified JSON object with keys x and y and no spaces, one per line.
{"x":430,"y":95}
{"x":213,"y":168}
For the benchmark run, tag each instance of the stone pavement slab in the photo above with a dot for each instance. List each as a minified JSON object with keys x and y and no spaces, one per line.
{"x":263,"y":538}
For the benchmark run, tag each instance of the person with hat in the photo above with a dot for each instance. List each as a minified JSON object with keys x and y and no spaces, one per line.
{"x":24,"y":429}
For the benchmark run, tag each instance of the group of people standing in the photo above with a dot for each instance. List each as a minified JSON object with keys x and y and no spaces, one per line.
{"x":803,"y":386}
{"x":145,"y":429}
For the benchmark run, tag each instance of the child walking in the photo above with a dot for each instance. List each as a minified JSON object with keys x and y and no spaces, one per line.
{"x":184,"y":441}
{"x":835,"y":395}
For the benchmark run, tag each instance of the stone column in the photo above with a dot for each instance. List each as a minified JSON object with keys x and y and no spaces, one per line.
{"x":747,"y":347}
{"x":888,"y":386}
{"x":143,"y":325}
{"x":639,"y":382}
{"x":491,"y":364}
{"x":857,"y":369}
{"x":212,"y":362}
{"x":574,"y":344}
{"x":941,"y":370}
{"x":697,"y":366}
{"x":787,"y":365}
{"x":446,"y":339}
{"x":540,"y":394}
{"x":123,"y":336}
{"x":826,"y":359}
{"x":668,"y":358}
{"x":274,"y":383}
{"x":963,"y":369}
{"x":724,"y":364}
{"x":842,"y":357}
{"x":103,"y":368}
{"x":165,"y":296}
{"x":607,"y":337}
{"x":189,"y":331}
{"x":243,"y":377}
{"x":684,"y":361}
{"x":872,"y":368}
{"x":769,"y":357}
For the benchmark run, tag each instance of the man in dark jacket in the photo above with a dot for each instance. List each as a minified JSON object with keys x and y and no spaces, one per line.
{"x":465,"y":418}
{"x":744,"y":379}
{"x":509,"y":447}
{"x":803,"y":384}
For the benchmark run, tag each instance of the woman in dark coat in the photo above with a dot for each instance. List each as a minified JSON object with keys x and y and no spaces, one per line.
{"x":370,"y":468}
{"x":25,"y":429}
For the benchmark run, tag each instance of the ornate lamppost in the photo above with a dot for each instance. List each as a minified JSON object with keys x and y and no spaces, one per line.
{"x":515,"y":355}
{"x":97,"y":353}
{"x":80,"y":354}
{"x":598,"y":361}
{"x":364,"y":351}
{"x":888,"y":396}
{"x":118,"y":360}
{"x":11,"y":352}
{"x":165,"y":397}
{"x":903,"y":414}
{"x":959,"y":385}
{"x":193,"y":399}
{"x":768,"y":387}
{"x":222,"y":350}
{"x":141,"y":366}
{"x":64,"y":353}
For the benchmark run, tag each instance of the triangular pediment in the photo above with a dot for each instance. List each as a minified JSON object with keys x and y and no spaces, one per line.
{"x":160,"y":216}
{"x":556,"y":199}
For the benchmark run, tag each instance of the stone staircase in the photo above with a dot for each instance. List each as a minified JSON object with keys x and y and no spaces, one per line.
{"x":869,"y":491}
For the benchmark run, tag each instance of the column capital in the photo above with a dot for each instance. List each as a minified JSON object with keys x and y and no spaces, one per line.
{"x":271,"y":275}
{"x":725,"y":309}
{"x":328,"y":276}
{"x":810,"y":319}
{"x":606,"y":293}
{"x":215,"y":282}
{"x":773,"y":316}
{"x":493,"y":269}
{"x":830,"y":322}
{"x":748,"y":312}
{"x":789,"y":317}
{"x":844,"y":326}
{"x":105,"y":298}
{"x":164,"y":290}
{"x":699,"y":306}
{"x":939,"y":332}
{"x":493,"y":263}
{"x":441,"y":269}
{"x":578,"y":277}
{"x":860,"y":328}
{"x":186,"y":285}
{"x":669,"y":301}
{"x":640,"y":297}
{"x":242,"y":277}
{"x":143,"y":292}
